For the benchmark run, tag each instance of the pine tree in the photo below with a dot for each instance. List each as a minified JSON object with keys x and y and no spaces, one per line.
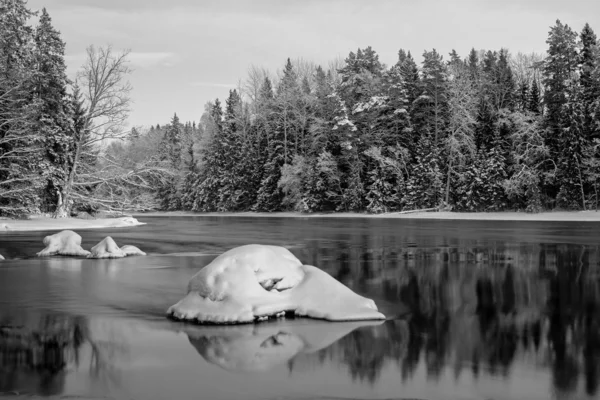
{"x":534,"y":98}
{"x":431,"y":108}
{"x":50,"y":87}
{"x":21,"y":152}
{"x":170,"y":193}
{"x":410,"y":75}
{"x":589,"y":78}
{"x":559,"y":73}
{"x":473,"y":65}
{"x":562,"y":138}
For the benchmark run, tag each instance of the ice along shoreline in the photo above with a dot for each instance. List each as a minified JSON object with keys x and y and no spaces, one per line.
{"x":52,"y":224}
{"x":551,"y":216}
{"x":57,"y":224}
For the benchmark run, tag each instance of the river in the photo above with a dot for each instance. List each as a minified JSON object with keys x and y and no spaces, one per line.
{"x":476,"y":310}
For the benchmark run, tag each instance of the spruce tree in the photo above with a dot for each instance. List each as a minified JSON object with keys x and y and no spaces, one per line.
{"x":50,"y":87}
{"x":21,"y":145}
{"x":560,"y":80}
{"x":410,"y":75}
{"x":430,"y":111}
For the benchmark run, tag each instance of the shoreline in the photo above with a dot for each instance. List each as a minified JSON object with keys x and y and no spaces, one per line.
{"x":38,"y":223}
{"x":552,"y":216}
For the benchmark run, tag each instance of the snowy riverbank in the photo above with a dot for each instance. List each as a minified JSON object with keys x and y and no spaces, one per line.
{"x":573,"y":216}
{"x":51,"y":224}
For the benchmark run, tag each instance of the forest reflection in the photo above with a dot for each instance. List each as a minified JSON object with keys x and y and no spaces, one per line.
{"x":474,"y":310}
{"x":36,"y":353}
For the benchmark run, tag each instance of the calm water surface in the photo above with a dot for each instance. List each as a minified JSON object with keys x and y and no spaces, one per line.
{"x":477,"y":310}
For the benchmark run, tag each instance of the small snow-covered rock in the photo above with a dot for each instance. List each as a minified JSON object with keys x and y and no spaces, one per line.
{"x":63,"y":243}
{"x":129,"y":250}
{"x":1,"y":258}
{"x":129,"y":220}
{"x":254,"y":282}
{"x":107,"y":248}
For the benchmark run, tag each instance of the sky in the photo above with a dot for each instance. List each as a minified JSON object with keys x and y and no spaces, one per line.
{"x":185,"y":53}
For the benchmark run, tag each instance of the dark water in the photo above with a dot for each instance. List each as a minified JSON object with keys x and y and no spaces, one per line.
{"x":478,"y":310}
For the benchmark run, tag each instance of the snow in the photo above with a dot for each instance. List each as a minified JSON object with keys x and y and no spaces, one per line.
{"x":374,"y":102}
{"x":131,"y":251}
{"x":1,"y":258}
{"x":107,"y":248}
{"x":254,"y":282}
{"x":266,"y":346}
{"x":48,"y":224}
{"x":64,"y":243}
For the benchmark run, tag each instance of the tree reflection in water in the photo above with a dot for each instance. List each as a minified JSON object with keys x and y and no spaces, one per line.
{"x":480,"y":311}
{"x":35,"y":353}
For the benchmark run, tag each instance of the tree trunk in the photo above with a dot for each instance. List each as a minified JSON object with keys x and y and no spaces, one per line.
{"x":448,"y":184}
{"x":580,"y":184}
{"x":61,"y":207}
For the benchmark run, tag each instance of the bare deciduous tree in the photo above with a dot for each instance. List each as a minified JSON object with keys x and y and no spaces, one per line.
{"x":93,"y":177}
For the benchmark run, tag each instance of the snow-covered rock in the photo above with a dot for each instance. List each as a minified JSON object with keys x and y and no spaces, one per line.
{"x":129,"y":221}
{"x":265,"y":346}
{"x":1,"y":258}
{"x":129,"y":250}
{"x":63,"y":243}
{"x":254,"y":282}
{"x":107,"y":248}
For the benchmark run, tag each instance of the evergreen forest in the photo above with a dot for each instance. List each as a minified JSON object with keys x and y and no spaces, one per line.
{"x":487,"y":131}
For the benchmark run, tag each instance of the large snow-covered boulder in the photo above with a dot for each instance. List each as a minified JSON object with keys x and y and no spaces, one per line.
{"x":107,"y":248}
{"x":63,"y":243}
{"x":264,"y":347}
{"x":255,"y":282}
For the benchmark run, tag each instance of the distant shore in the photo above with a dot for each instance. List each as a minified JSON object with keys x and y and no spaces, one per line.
{"x":50,"y":224}
{"x":567,"y":216}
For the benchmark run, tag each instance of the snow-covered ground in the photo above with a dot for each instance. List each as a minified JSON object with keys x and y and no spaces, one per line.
{"x":575,"y":216}
{"x":50,"y":224}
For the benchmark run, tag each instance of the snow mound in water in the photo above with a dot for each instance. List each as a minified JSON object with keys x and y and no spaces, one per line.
{"x":254,"y":282}
{"x":264,"y":347}
{"x":107,"y":248}
{"x":129,"y":250}
{"x":63,"y":243}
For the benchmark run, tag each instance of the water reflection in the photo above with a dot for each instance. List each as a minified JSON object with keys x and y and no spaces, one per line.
{"x":36,"y":352}
{"x":475,"y":310}
{"x":265,"y":346}
{"x":481,"y":310}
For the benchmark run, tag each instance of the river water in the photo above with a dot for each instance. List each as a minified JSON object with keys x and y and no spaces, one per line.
{"x":476,"y":310}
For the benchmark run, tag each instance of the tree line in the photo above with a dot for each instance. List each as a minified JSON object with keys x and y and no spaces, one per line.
{"x":486,"y":132}
{"x":491,"y":131}
{"x":54,"y":131}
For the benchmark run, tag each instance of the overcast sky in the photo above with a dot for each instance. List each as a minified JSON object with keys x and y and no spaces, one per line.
{"x":187,"y":52}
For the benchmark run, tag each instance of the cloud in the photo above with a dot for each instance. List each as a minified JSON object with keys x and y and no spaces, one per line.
{"x":215,"y":85}
{"x":136,"y":59}
{"x":152,"y":59}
